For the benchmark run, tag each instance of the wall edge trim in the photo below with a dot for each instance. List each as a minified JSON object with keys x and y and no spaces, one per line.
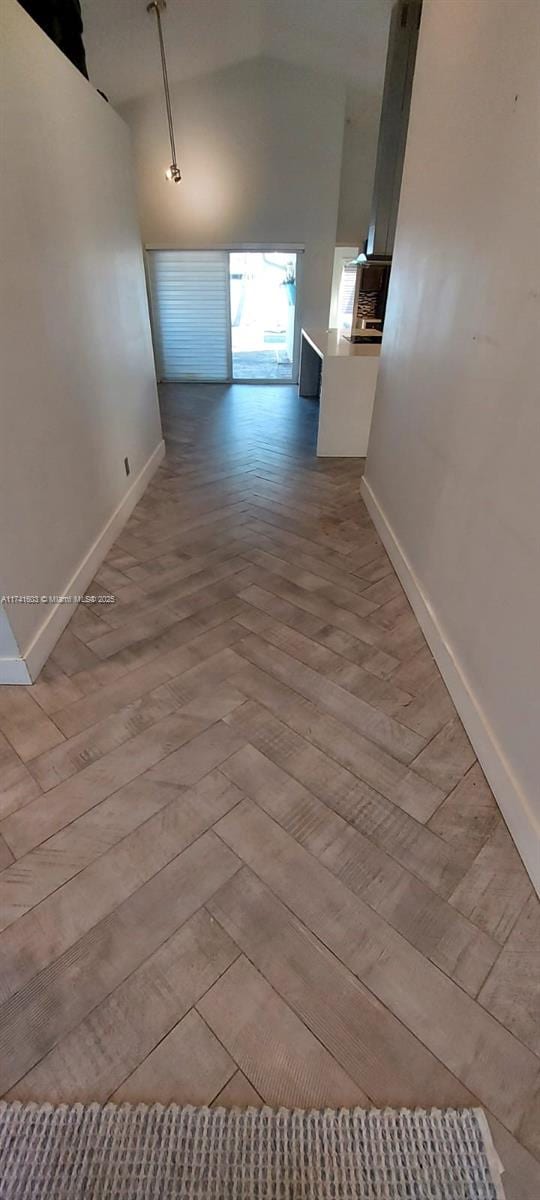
{"x":511,"y":799}
{"x":14,"y":670}
{"x":26,"y":668}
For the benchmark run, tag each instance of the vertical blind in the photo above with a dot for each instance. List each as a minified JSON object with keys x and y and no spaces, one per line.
{"x":190,"y":307}
{"x":346,"y":294}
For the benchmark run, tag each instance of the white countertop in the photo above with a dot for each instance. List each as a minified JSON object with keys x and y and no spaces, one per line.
{"x":331,"y":343}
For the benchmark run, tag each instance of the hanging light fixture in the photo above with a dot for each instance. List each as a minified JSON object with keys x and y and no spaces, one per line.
{"x":173,"y":172}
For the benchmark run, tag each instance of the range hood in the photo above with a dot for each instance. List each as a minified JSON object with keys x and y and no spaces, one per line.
{"x":396,"y":103}
{"x":366,"y":318}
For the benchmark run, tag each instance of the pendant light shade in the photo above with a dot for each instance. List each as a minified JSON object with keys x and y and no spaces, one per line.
{"x":173,"y":172}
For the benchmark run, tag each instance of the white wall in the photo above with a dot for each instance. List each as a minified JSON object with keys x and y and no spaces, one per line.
{"x":453,"y":466}
{"x":78,"y":386}
{"x":259,"y":146}
{"x":362,"y":116}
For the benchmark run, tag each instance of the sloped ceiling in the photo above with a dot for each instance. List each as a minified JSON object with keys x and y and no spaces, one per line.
{"x":347,"y":37}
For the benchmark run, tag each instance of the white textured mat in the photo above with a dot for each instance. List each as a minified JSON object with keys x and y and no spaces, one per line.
{"x":135,"y":1152}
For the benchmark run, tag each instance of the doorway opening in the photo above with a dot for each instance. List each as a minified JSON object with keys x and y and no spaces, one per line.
{"x":263,"y":309}
{"x":224,"y":316}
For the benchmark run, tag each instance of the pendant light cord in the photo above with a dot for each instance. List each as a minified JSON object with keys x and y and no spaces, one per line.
{"x":157,"y":11}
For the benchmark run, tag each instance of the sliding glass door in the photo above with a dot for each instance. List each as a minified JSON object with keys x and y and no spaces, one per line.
{"x":263,"y":306}
{"x":220,"y":315}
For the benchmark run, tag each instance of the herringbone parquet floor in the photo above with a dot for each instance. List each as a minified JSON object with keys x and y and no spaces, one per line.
{"x":248,"y":854}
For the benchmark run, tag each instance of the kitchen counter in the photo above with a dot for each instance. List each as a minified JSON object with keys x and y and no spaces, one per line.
{"x":331,"y":342}
{"x":343,"y":375}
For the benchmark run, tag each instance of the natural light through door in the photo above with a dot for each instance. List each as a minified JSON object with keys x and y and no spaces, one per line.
{"x":263,"y":305}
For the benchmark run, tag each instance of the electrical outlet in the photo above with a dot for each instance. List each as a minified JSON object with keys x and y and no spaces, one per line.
{"x":127,"y":466}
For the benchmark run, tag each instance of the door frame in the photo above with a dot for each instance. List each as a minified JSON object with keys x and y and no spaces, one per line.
{"x":231,"y":248}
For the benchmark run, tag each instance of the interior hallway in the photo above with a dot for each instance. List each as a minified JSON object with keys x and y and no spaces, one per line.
{"x":248,"y":852}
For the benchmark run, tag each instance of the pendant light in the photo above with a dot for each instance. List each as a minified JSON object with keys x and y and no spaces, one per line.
{"x":173,"y":172}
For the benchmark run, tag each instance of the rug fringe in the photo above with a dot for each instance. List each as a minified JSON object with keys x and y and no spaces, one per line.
{"x":494,"y":1162}
{"x":401,"y":1148}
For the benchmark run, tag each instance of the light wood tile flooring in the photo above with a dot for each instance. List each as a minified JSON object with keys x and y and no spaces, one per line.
{"x":247,"y":853}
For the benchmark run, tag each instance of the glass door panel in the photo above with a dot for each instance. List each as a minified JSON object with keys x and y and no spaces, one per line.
{"x":263,"y":306}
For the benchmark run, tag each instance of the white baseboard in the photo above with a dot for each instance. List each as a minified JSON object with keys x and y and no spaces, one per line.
{"x":515,"y":806}
{"x":14,"y":670}
{"x":26,"y":668}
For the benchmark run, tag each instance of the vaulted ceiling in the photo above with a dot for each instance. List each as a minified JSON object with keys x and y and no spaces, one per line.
{"x":347,"y":37}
